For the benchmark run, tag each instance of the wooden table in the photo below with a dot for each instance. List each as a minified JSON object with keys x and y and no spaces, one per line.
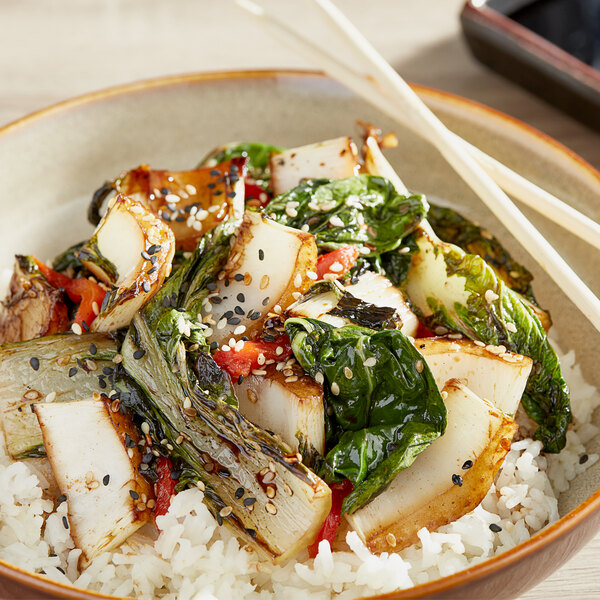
{"x":50,"y":51}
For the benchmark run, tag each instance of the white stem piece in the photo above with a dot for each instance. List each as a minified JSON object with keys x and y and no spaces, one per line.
{"x":428,"y":125}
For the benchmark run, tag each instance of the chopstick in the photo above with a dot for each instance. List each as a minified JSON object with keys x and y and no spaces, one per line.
{"x":406,"y":102}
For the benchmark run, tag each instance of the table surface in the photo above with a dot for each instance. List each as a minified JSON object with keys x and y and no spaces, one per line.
{"x":50,"y":51}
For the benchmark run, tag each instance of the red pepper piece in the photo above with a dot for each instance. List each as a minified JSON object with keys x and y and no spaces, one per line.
{"x":81,"y":291}
{"x":423,"y":332}
{"x":244,"y":361}
{"x":255,"y":192}
{"x":346,"y":257}
{"x":339,"y":491}
{"x":165,"y":486}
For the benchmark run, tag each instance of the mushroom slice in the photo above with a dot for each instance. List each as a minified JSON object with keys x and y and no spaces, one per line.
{"x":268,"y":264}
{"x":446,"y":481}
{"x":33,"y":307}
{"x":87,"y":447}
{"x":380,"y":291}
{"x":500,"y":377}
{"x":333,"y":159}
{"x":132,"y":250}
{"x":288,"y":403}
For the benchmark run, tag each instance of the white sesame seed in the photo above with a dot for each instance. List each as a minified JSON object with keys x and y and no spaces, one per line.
{"x":190,"y":189}
{"x":172,"y":198}
{"x":511,"y":327}
{"x":145,"y":427}
{"x":117,"y":359}
{"x":490,"y":296}
{"x":336,"y":267}
{"x":201,"y":215}
{"x":319,"y":378}
{"x":305,"y":228}
{"x":197,"y":226}
{"x":239,"y":345}
{"x":404,"y":250}
{"x":348,"y":372}
{"x":370,"y":362}
{"x":76,"y":329}
{"x":419,"y":366}
{"x":187,"y":403}
{"x":279,"y":350}
{"x":480,"y":344}
{"x":95,"y":308}
{"x":335,"y":389}
{"x":270,"y":508}
{"x":221,"y":324}
{"x":261,"y":359}
{"x":298,"y":280}
{"x":130,"y":452}
{"x":444,"y":394}
{"x":51,"y":397}
{"x":136,"y":210}
{"x":258,"y":372}
{"x":239,"y":330}
{"x":208,"y":332}
{"x":291,"y":212}
{"x":214,"y":208}
{"x":225,"y":348}
{"x":311,"y":275}
{"x":291,"y":379}
{"x":277,"y":309}
{"x":296,"y":295}
{"x":335,"y":221}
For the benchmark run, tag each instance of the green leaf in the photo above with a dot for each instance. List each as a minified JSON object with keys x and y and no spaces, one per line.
{"x":383,"y":413}
{"x":461,"y":292}
{"x":364,"y":210}
{"x":257,"y":155}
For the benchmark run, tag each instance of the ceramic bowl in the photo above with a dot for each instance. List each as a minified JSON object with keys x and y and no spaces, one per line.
{"x":51,"y":162}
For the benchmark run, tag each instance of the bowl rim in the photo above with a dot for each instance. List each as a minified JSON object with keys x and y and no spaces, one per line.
{"x":481,"y":570}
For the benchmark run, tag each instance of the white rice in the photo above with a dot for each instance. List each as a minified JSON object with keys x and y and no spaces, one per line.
{"x":194,"y":558}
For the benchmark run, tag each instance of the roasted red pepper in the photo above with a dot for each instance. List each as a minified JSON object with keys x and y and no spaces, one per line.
{"x":342,"y":260}
{"x":255,"y":192}
{"x":244,"y":361}
{"x":339,"y":491}
{"x":82,"y":291}
{"x":165,"y":486}
{"x":423,"y":332}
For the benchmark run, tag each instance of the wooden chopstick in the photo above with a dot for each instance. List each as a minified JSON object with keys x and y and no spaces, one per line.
{"x":407,"y":103}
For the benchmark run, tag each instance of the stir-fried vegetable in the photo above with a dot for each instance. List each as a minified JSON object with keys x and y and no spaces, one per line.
{"x":386,"y":407}
{"x":461,"y":292}
{"x":364,"y":211}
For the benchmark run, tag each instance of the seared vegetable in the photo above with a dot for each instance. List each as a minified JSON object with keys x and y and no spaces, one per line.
{"x":94,"y":455}
{"x":446,"y":481}
{"x":257,"y":157}
{"x":268,"y":266}
{"x":453,"y":228}
{"x":490,"y":373}
{"x":334,"y":159}
{"x":189,"y":202}
{"x":33,"y":307}
{"x":287,"y":402}
{"x":187,"y":400}
{"x":338,"y":307}
{"x":364,"y":210}
{"x":384,"y":403}
{"x":58,"y":368}
{"x":456,"y":291}
{"x":132,"y":250}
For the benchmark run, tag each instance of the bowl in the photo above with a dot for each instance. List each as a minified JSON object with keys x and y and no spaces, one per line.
{"x":51,"y":162}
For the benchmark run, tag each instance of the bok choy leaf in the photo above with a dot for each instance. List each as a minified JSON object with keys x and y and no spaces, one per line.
{"x":384,"y":405}
{"x":364,"y":210}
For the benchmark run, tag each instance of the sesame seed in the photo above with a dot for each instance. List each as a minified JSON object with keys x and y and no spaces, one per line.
{"x":72,"y":371}
{"x":249,"y":501}
{"x":348,"y":373}
{"x":51,"y":397}
{"x":311,"y":275}
{"x":106,"y":480}
{"x":200,"y":485}
{"x":226,"y":511}
{"x":138,"y":354}
{"x":495,"y":528}
{"x":270,"y":475}
{"x":270,"y":508}
{"x":491,"y":296}
{"x":76,"y":329}
{"x":130,"y":453}
{"x":264,"y":282}
{"x":261,"y":359}
{"x":65,"y":522}
{"x":511,"y":327}
{"x":221,"y":324}
{"x":62,"y":498}
{"x":298,"y":280}
{"x":467,"y":464}
{"x":335,"y":221}
{"x":261,"y":254}
{"x":241,"y":298}
{"x":146,"y":286}
{"x":419,"y":366}
{"x":190,"y":189}
{"x":583,"y":459}
{"x":370,"y":362}
{"x":172,"y":198}
{"x":291,"y":379}
{"x":258,"y":372}
{"x":336,"y":267}
{"x":35,"y":363}
{"x":145,"y":427}
{"x":117,"y":359}
{"x":319,"y":378}
{"x":291,"y":212}
{"x":187,"y":403}
{"x":457,"y":480}
{"x":277,"y":309}
{"x":239,"y":330}
{"x":390,"y":538}
{"x":270,"y":491}
{"x":335,"y":389}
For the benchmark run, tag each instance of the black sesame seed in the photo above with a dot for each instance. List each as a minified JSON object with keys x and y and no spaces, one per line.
{"x":495,"y":528}
{"x":234,"y":321}
{"x":249,"y":501}
{"x":238,"y":277}
{"x":457,"y":480}
{"x":266,"y":301}
{"x":240,"y":379}
{"x":239,"y":493}
{"x":93,"y":349}
{"x":219,"y":519}
{"x":105,"y":480}
{"x":146,"y":286}
{"x":467,"y":464}
{"x":216,"y":300}
{"x":153,"y":259}
{"x":129,"y":443}
{"x":212,"y":186}
{"x":180,"y":219}
{"x":62,"y":498}
{"x":215,"y":172}
{"x":35,"y":363}
{"x":166,"y":216}
{"x":101,"y":383}
{"x":152,"y":270}
{"x":255,"y":316}
{"x":213,"y":346}
{"x":181,"y":310}
{"x":227,"y":283}
{"x":138,"y":354}
{"x":245,"y":338}
{"x":84,"y":325}
{"x":223,"y":473}
{"x":134,"y":495}
{"x":108,"y":370}
{"x":261,"y":254}
{"x":251,"y":532}
{"x":212,"y":286}
{"x":238,"y":310}
{"x":583,"y":459}
{"x":164,"y":191}
{"x":166,"y":302}
{"x":65,"y":522}
{"x":61,"y":570}
{"x":147,"y":458}
{"x":230,"y":194}
{"x":72,"y":371}
{"x":145,"y":255}
{"x":154,"y":248}
{"x":241,"y":298}
{"x":269,"y":338}
{"x":228,"y":314}
{"x":422,"y":345}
